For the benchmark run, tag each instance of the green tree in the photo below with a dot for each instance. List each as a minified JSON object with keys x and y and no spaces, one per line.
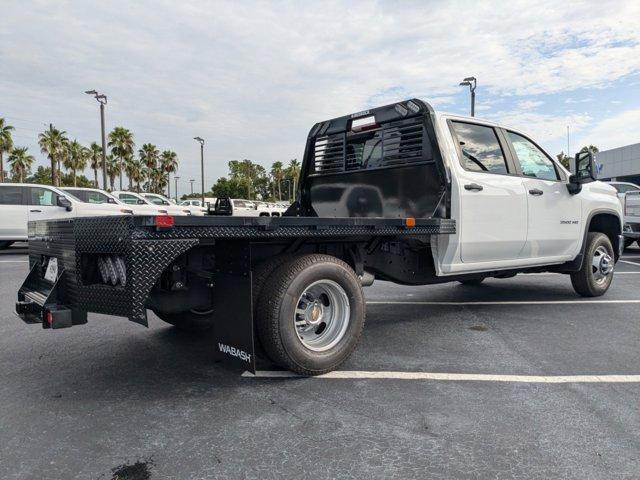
{"x":52,"y":143}
{"x":278,"y":174}
{"x":122,"y":146}
{"x":76,"y":159}
{"x":95,"y":160}
{"x":229,"y":187}
{"x":113,"y":169}
{"x":6,"y":143}
{"x":137,"y":172}
{"x":564,"y":160}
{"x":293,"y":173}
{"x":589,"y":148}
{"x":169,"y":164}
{"x":20,"y":160}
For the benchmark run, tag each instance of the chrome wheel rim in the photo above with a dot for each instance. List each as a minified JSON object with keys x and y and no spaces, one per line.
{"x":322,"y":315}
{"x":601,"y":265}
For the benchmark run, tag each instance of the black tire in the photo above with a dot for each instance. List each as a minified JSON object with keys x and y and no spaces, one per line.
{"x":5,"y":244}
{"x":472,"y":282}
{"x":628,"y":242}
{"x":279,"y":300}
{"x":189,"y":321}
{"x":584,"y":281}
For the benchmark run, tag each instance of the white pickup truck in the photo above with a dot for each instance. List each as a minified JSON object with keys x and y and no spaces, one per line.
{"x":399,"y":193}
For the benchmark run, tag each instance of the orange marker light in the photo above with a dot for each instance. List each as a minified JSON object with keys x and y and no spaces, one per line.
{"x":410,"y":222}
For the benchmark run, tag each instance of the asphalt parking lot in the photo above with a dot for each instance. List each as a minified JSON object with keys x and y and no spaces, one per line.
{"x":111,"y":399}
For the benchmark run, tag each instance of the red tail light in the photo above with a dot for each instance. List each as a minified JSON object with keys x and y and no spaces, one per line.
{"x":164,"y":221}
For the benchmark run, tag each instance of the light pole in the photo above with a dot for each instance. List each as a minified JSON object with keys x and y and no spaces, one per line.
{"x":175,"y":191}
{"x":191,"y":182}
{"x":201,"y":142}
{"x":102,"y":100}
{"x":471,"y":82}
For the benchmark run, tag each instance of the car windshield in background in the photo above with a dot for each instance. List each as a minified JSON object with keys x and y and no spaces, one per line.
{"x":88,"y":196}
{"x":156,"y":200}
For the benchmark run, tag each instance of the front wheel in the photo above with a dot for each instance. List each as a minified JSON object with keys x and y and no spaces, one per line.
{"x":596,"y":274}
{"x":311,"y":314}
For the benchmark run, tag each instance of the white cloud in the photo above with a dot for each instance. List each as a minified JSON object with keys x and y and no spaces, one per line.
{"x":616,"y":131}
{"x":253,"y":77}
{"x":529,"y":104}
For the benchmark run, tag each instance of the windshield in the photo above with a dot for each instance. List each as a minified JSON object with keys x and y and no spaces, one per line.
{"x":157,"y":200}
{"x":89,"y":196}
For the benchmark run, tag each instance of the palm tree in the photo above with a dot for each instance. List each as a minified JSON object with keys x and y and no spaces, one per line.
{"x":52,"y":144}
{"x":122,"y":146}
{"x":278,"y":175}
{"x":158,"y":180}
{"x":113,"y":169}
{"x":137,"y":172}
{"x":169,"y":164}
{"x":294,"y":172}
{"x":20,"y":161}
{"x":6,"y":143}
{"x":76,"y":159}
{"x":95,"y":159}
{"x":148,"y":154}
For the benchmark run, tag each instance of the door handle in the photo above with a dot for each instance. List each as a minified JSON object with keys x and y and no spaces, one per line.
{"x":36,"y":211}
{"x":535,"y":191}
{"x":473,"y":186}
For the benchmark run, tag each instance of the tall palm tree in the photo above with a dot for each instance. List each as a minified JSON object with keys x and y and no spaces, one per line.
{"x":113,"y":169}
{"x":294,"y":172}
{"x":20,"y":161}
{"x":6,"y":143}
{"x":158,"y":180}
{"x":277,"y":173}
{"x":149,"y":154}
{"x":137,"y":172}
{"x":122,"y":146}
{"x":95,"y":160}
{"x":52,"y":144}
{"x":76,"y":159}
{"x":169,"y":164}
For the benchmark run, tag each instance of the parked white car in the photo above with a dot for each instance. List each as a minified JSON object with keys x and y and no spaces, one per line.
{"x":95,"y":195}
{"x":132,"y":198}
{"x":163,"y":201}
{"x":21,"y":202}
{"x":624,"y":187}
{"x":196,"y":202}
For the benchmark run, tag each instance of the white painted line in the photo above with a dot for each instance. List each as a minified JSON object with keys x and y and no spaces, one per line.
{"x":456,"y":377}
{"x":630,"y":263}
{"x":506,"y":302}
{"x":14,"y":261}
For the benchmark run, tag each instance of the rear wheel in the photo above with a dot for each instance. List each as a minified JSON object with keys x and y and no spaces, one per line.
{"x":311,"y":314}
{"x":596,"y":274}
{"x":472,"y":282}
{"x":189,"y":321}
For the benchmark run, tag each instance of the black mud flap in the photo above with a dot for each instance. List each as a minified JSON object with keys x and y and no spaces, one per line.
{"x":233,"y":304}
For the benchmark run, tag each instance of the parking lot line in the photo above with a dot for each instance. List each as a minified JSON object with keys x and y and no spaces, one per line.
{"x":491,"y":302}
{"x":456,"y":377}
{"x":630,"y":263}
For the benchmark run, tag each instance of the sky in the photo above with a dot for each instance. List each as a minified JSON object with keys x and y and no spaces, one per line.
{"x":252,"y":78}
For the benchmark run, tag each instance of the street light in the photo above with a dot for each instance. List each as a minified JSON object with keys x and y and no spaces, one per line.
{"x":201,"y":142}
{"x":176,"y":178}
{"x":102,"y":100}
{"x":471,"y":82}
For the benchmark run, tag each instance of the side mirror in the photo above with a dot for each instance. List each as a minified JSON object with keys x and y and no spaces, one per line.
{"x":585,"y":168}
{"x":65,"y":203}
{"x":141,"y":202}
{"x":110,"y":200}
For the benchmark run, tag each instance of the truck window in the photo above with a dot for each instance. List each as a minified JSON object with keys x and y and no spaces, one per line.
{"x":533,"y":161}
{"x":42,"y":196}
{"x":128,"y":199}
{"x":481,"y":151}
{"x":10,"y":195}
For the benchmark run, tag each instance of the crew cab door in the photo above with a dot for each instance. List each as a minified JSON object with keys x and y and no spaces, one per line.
{"x":493,"y":203}
{"x":43,"y":204}
{"x":553,"y":213}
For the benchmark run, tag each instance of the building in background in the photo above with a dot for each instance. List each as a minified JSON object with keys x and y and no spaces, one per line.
{"x":621,"y":164}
